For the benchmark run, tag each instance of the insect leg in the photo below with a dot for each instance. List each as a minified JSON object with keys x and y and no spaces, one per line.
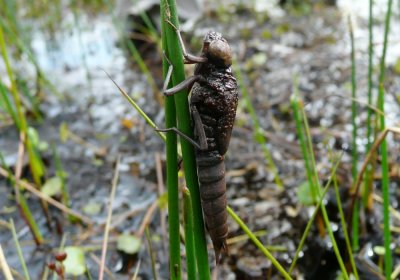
{"x":199,"y":128}
{"x":169,"y":73}
{"x":183,"y":135}
{"x":189,"y":58}
{"x":188,"y":83}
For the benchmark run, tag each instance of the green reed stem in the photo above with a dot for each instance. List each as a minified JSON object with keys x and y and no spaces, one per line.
{"x":318,"y":190}
{"x":384,"y":151}
{"x":258,"y":131}
{"x":151,"y":253}
{"x":34,"y":161}
{"x":311,"y":221}
{"x":189,"y":238}
{"x":297,"y":107}
{"x":368,"y":179}
{"x":21,"y":122}
{"x":174,"y":53}
{"x":172,"y":172}
{"x":355,"y":218}
{"x":344,"y":227}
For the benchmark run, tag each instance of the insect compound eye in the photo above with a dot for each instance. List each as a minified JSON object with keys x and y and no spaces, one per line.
{"x":220,"y":53}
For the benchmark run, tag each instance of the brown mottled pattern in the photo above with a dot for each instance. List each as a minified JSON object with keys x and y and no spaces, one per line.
{"x":215,"y":98}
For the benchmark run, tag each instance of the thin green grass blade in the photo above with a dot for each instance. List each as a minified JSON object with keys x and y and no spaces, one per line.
{"x":368,"y":177}
{"x":384,"y":151}
{"x":354,"y":160}
{"x":27,"y":214}
{"x":151,"y":253}
{"x":19,"y":250}
{"x":132,"y":49}
{"x":296,"y":105}
{"x":344,"y":227}
{"x":259,"y":245}
{"x":7,"y":103}
{"x":311,"y":221}
{"x":318,"y":190}
{"x":21,"y":122}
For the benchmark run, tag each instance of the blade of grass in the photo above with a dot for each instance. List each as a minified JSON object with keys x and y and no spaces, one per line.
{"x":189,"y":163}
{"x":4,"y":266}
{"x":354,"y":155}
{"x":189,"y":238}
{"x":137,"y":107}
{"x":258,"y":131}
{"x":108,"y":221}
{"x":19,"y":251}
{"x":318,"y":191}
{"x":21,"y":122}
{"x":7,"y":103}
{"x":23,"y":48}
{"x":369,"y":175}
{"x":172,"y":166}
{"x":296,"y":104}
{"x":344,"y":227}
{"x":311,"y":221}
{"x":130,"y":46}
{"x":55,"y":203}
{"x":151,"y":253}
{"x":60,"y":172}
{"x":258,"y":243}
{"x":384,"y":150}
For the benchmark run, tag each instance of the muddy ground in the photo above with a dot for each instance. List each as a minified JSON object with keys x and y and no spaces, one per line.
{"x":273,"y":46}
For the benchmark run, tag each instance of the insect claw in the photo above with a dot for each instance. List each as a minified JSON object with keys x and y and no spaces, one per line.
{"x":166,"y":57}
{"x":170,"y":23}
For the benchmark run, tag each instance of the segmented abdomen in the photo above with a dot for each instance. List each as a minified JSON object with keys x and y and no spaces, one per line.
{"x":211,"y":172}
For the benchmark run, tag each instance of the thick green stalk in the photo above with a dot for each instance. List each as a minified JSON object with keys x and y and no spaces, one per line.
{"x":189,"y":163}
{"x":384,"y":151}
{"x":172,"y":175}
{"x":258,"y":132}
{"x":188,"y":221}
{"x":369,"y":173}
{"x":354,"y":136}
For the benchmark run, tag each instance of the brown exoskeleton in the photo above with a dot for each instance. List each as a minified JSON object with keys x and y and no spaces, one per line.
{"x":213,"y":103}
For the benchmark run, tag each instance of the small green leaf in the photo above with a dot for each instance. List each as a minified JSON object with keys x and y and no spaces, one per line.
{"x":33,"y":136}
{"x":64,"y":132}
{"x":129,"y":244}
{"x":52,"y":186}
{"x":163,"y":200}
{"x":397,"y":66}
{"x":43,"y":146}
{"x":379,"y":250}
{"x":75,"y":263}
{"x":304,"y":194}
{"x":92,"y":208}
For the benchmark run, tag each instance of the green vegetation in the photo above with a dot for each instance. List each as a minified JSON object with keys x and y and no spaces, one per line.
{"x":22,"y":95}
